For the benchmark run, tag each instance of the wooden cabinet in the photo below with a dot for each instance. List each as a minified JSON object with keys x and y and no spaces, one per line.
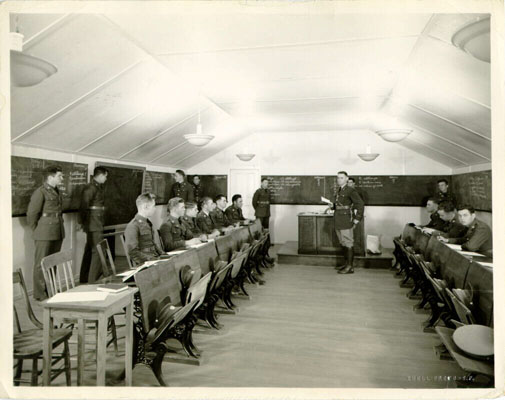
{"x":316,"y":235}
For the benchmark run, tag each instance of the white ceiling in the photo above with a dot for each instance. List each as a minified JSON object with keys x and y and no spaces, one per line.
{"x":130,"y":86}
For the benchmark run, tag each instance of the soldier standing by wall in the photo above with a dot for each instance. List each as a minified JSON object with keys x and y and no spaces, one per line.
{"x":261,"y":204}
{"x":92,"y":212}
{"x":197,"y":191}
{"x":181,"y":188}
{"x":45,"y":219}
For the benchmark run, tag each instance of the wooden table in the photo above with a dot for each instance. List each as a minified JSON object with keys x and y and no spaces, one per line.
{"x":99,"y":311}
{"x":316,"y":235}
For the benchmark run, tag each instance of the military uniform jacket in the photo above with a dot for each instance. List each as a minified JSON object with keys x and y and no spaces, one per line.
{"x":261,"y":203}
{"x":197,"y":193}
{"x":454,"y":229}
{"x":219,"y":218}
{"x":204,"y":222}
{"x":437,"y":223}
{"x":92,"y":207}
{"x":347,"y":200}
{"x":478,"y":238}
{"x":234,"y":214}
{"x":44,"y":213}
{"x":140,"y":240}
{"x":190,"y":224}
{"x":174,"y":234}
{"x":182,"y":190}
{"x":446,"y":197}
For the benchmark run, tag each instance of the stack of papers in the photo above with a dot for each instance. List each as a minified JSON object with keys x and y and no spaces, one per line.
{"x":175,"y":252}
{"x":472,"y":254}
{"x":71,"y":297}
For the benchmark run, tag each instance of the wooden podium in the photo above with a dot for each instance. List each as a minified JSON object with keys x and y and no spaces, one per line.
{"x":316,"y":235}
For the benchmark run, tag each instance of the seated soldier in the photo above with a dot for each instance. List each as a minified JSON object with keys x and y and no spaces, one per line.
{"x":448,"y":213}
{"x":435,"y":221}
{"x":234,"y":212}
{"x":139,"y":234}
{"x":203,"y":220}
{"x":189,"y":221}
{"x":478,"y":237}
{"x":173,"y":233}
{"x":218,"y":216}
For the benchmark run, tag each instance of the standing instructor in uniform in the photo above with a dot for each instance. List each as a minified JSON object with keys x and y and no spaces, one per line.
{"x":261,"y":203}
{"x":181,"y":188}
{"x":92,"y":220}
{"x":44,"y":217}
{"x":348,"y":208}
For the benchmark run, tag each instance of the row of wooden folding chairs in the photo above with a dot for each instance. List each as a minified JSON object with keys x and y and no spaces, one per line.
{"x":446,"y":303}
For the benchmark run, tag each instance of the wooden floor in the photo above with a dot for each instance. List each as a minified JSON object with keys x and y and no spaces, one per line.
{"x":311,"y":327}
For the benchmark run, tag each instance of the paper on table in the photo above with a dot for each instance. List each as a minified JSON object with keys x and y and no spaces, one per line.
{"x":486,"y":264}
{"x":471,"y":253}
{"x":68,"y":297}
{"x":325,"y":200}
{"x":175,"y":252}
{"x":454,"y":246}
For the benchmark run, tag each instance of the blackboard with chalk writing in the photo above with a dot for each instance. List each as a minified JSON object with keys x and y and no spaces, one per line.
{"x":212,"y":184}
{"x":473,"y":188}
{"x":158,"y":183}
{"x":27,"y":174}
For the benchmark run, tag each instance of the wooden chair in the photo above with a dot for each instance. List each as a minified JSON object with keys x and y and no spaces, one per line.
{"x":28,"y":344}
{"x":108,"y":266}
{"x":57,"y":265}
{"x":128,"y":259}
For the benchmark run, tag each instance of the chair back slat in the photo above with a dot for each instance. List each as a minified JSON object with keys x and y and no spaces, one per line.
{"x":18,"y":280}
{"x":189,"y":257}
{"x":108,"y":266}
{"x":128,"y":259}
{"x":199,"y":290}
{"x":224,"y":246}
{"x":479,"y":281}
{"x":51,"y":267}
{"x":255,"y":229}
{"x":208,"y":257}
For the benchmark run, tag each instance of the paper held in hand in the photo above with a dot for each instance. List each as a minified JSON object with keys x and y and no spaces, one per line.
{"x":325,"y":200}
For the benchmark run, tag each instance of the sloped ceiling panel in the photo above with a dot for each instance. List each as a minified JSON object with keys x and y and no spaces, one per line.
{"x":87,"y":54}
{"x":432,"y":153}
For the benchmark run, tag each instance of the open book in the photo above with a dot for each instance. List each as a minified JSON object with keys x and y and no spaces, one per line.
{"x":128,"y":275}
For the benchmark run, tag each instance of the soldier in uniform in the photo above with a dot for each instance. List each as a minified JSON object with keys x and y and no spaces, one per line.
{"x":443,"y":192}
{"x":448,"y":213}
{"x":174,"y":234}
{"x":181,"y":188}
{"x":218,"y":216}
{"x":45,"y":219}
{"x":478,"y":237}
{"x":261,"y":204}
{"x":204,"y":221}
{"x":234,"y":212}
{"x":348,"y":208}
{"x":92,"y":219}
{"x":189,"y":221}
{"x":435,"y":221}
{"x":141,"y":240}
{"x":197,"y":191}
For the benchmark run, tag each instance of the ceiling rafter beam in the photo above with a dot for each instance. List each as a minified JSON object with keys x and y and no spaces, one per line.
{"x":75,"y":102}
{"x":191,"y":155}
{"x":437,"y":151}
{"x":168,"y":152}
{"x":287,"y":45}
{"x":46,"y":30}
{"x":449,"y":121}
{"x":448,"y":141}
{"x":110,"y":131}
{"x":307,"y":99}
{"x":163,"y":132}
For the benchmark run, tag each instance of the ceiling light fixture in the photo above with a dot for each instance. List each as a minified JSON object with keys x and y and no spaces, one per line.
{"x":368,"y":156}
{"x":394,"y":135}
{"x":474,"y":39}
{"x":245,"y":156}
{"x":198,"y":139}
{"x":27,"y":70}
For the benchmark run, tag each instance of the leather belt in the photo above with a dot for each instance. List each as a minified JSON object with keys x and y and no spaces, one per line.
{"x":342,"y":207}
{"x":96,"y":208}
{"x":56,"y":214}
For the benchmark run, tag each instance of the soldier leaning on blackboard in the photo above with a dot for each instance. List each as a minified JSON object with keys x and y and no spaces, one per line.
{"x":197,"y":191}
{"x":443,"y":192}
{"x":181,"y":188}
{"x":91,"y":214}
{"x":45,"y":219}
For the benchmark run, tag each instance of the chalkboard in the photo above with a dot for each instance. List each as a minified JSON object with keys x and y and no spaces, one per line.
{"x":27,"y":174}
{"x":160,"y":184}
{"x":123,"y":185}
{"x":473,"y":188}
{"x":376,"y":190}
{"x":212,"y":184}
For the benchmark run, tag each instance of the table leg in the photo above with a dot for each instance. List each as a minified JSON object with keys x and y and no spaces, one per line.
{"x":128,"y":345}
{"x":47,"y":347}
{"x":102,"y":350}
{"x":80,"y":351}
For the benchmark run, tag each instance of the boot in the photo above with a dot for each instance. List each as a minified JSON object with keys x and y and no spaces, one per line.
{"x":341,"y":267}
{"x":350,"y":258}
